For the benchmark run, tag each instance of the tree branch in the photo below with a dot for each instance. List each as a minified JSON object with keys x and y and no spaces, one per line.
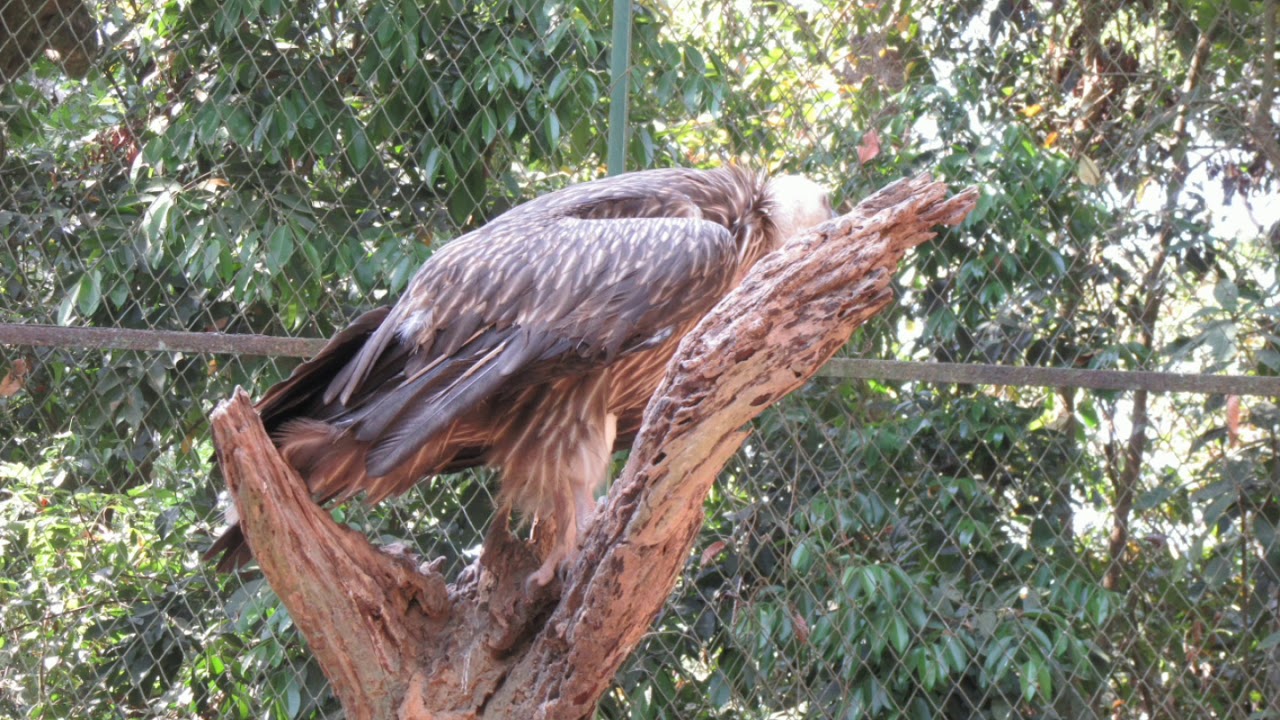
{"x":398,"y":644}
{"x":1125,"y":485}
{"x":1262,"y":127}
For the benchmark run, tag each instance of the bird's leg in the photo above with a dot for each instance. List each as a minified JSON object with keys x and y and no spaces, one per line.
{"x":576,"y":506}
{"x":560,"y":549}
{"x":610,"y":432}
{"x":586,"y":470}
{"x":566,"y":521}
{"x":588,"y":504}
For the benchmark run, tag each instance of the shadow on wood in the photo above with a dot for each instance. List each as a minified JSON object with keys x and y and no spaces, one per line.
{"x":397,"y":642}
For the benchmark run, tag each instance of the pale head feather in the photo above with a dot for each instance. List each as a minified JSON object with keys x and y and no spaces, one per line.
{"x":796,"y":204}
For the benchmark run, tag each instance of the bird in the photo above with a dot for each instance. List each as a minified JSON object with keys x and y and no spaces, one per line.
{"x":530,"y":345}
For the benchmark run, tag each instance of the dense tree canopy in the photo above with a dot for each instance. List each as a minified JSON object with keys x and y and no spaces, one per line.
{"x":878,"y":548}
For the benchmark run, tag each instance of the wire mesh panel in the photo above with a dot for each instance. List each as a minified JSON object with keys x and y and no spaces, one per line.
{"x":878,"y":548}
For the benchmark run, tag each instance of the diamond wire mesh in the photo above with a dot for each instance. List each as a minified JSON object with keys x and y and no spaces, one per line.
{"x":877,"y":549}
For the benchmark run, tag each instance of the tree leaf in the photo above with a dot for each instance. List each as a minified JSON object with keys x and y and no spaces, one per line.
{"x":558,"y":83}
{"x":280,"y":247}
{"x":89,"y":292}
{"x":1227,"y":294}
{"x":899,"y":633}
{"x":869,"y":147}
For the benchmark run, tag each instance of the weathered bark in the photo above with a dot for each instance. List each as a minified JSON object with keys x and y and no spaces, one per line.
{"x":29,"y":27}
{"x":396,"y":642}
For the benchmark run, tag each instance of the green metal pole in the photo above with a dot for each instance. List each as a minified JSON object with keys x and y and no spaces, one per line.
{"x":619,"y":63}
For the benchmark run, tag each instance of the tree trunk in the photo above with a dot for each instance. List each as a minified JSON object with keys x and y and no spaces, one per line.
{"x":397,"y":642}
{"x":29,"y":27}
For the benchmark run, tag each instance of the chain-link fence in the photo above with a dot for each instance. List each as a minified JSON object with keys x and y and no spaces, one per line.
{"x":994,"y":526}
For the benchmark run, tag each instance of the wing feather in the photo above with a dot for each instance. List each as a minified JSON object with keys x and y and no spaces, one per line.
{"x":590,"y":292}
{"x":298,"y":393}
{"x":424,"y":415}
{"x":345,"y":381}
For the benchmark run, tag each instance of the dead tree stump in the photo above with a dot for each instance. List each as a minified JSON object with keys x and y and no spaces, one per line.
{"x":397,"y":642}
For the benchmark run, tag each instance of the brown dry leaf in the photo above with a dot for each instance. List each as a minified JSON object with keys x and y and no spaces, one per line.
{"x":802,"y":627}
{"x":869,"y":148}
{"x":714,"y":549}
{"x":15,"y":379}
{"x":1233,"y":420}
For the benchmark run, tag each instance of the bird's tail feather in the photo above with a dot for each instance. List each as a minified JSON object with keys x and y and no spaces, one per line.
{"x":300,"y":394}
{"x":334,"y":465}
{"x":232,"y":548}
{"x":387,"y":436}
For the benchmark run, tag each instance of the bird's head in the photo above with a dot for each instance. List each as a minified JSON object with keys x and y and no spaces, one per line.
{"x":796,"y":204}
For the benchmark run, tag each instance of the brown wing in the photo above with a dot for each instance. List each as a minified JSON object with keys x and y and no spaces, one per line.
{"x":524,"y":306}
{"x":290,"y":398}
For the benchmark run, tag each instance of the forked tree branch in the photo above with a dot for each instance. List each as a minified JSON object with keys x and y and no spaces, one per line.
{"x":396,"y":642}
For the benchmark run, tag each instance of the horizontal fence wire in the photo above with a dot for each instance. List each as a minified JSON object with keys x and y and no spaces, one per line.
{"x":84,"y":338}
{"x":87,"y":338}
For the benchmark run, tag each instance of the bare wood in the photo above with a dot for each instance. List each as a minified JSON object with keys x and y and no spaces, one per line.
{"x":398,"y":644}
{"x":351,"y":601}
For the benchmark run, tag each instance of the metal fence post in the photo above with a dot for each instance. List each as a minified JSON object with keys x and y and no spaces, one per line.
{"x":619,"y":62}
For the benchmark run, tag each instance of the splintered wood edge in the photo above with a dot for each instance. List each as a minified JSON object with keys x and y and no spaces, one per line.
{"x":329,"y":577}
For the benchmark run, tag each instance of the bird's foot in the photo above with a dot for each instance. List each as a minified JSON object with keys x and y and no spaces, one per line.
{"x":545,"y":573}
{"x":567,"y":544}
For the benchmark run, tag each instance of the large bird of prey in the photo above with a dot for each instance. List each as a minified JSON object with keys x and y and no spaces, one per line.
{"x":531,"y":345}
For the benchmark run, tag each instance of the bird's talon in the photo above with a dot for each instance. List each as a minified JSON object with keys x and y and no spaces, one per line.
{"x":546,"y":572}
